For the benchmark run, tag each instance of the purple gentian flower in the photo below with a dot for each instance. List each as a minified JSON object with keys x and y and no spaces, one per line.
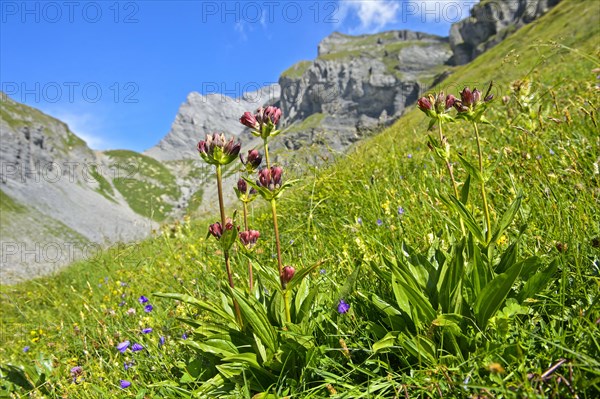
{"x":122,"y":347}
{"x":122,"y":303}
{"x":136,"y":347}
{"x":322,"y":271}
{"x":409,"y":156}
{"x":379,"y":222}
{"x":161,"y":341}
{"x":26,"y":349}
{"x":343,"y":307}
{"x":184,"y":336}
{"x":148,"y":308}
{"x":400,"y":211}
{"x":124,"y":384}
{"x":147,"y":330}
{"x":143,"y":299}
{"x":127,"y":366}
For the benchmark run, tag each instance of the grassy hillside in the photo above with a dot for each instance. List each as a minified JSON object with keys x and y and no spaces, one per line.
{"x":148,"y":186}
{"x":361,"y":216}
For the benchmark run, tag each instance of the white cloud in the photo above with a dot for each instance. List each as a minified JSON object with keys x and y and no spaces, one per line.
{"x":373,"y":15}
{"x":240,"y":27}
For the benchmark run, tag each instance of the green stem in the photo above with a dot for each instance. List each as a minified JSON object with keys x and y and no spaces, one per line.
{"x":250,"y":271}
{"x":451,"y":173}
{"x":266,"y":145}
{"x":279,"y":260}
{"x":278,"y":242}
{"x":286,"y":302}
{"x":486,"y":211}
{"x":226,"y":253}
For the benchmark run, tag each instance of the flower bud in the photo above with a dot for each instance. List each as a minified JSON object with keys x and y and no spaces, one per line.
{"x":476,"y":97}
{"x":273,"y":114}
{"x":242,"y":186}
{"x":249,"y":237}
{"x":466,"y":97}
{"x":264,"y":177}
{"x":216,"y":230}
{"x":286,"y":275}
{"x":424,"y":104}
{"x":440,"y":103}
{"x":450,"y":100}
{"x":250,"y":121}
{"x":276,"y":173}
{"x":253,"y":160}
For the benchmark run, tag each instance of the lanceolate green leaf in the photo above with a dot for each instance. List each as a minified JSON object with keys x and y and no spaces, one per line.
{"x":219,"y":347}
{"x":464,"y":192}
{"x":492,"y":297}
{"x":466,"y":217}
{"x":255,"y":315}
{"x":196,"y":302}
{"x":384,"y":306}
{"x":300,"y":274}
{"x":452,"y":274}
{"x":304,"y":310}
{"x":385,"y":342}
{"x":481,"y":275}
{"x":400,"y":294}
{"x":538,"y":282}
{"x":419,"y":303}
{"x":507,"y":218}
{"x":471,"y":170}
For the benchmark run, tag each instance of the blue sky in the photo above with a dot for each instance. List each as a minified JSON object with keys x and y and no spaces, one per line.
{"x":117,"y":72}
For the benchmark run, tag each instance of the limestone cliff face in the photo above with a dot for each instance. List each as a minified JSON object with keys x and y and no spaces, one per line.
{"x":358,"y":83}
{"x":202,"y":114}
{"x":491,"y":21}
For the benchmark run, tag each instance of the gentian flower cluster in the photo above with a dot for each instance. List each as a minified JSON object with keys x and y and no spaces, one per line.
{"x":263,"y":122}
{"x":216,"y":150}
